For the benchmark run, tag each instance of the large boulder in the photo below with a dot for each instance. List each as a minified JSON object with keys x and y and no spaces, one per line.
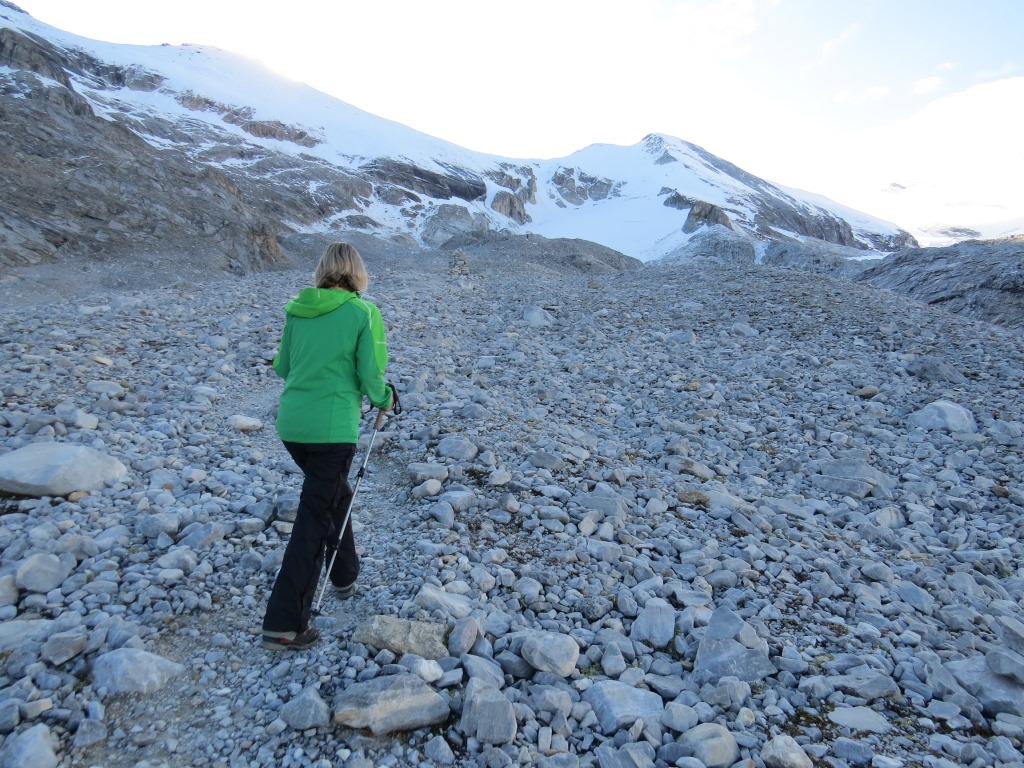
{"x":57,"y":469}
{"x":132,"y":670}
{"x":389,"y":704}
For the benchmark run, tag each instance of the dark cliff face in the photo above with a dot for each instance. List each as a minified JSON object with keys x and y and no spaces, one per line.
{"x":76,"y":185}
{"x":982,"y":279}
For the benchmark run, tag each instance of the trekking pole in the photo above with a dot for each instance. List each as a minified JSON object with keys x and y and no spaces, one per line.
{"x":396,"y":408}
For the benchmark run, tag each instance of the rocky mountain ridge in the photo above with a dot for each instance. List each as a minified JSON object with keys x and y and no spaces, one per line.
{"x":144,"y":155}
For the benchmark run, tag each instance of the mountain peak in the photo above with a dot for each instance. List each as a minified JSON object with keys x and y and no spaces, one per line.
{"x":296,"y":159}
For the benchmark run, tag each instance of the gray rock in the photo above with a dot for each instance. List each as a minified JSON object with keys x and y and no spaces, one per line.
{"x":388,"y":704}
{"x":917,"y":597}
{"x":10,"y":715}
{"x":43,"y":572}
{"x":479,"y":668}
{"x":487,"y":715}
{"x":8,"y":590}
{"x":458,"y":448}
{"x":150,"y":526}
{"x":782,"y":751}
{"x":612,"y":661}
{"x":975,"y":278}
{"x":403,"y":636}
{"x":57,"y":469}
{"x":89,"y":732}
{"x":934,"y":369}
{"x":944,"y":415}
{"x":463,"y":636}
{"x":307,"y":710}
{"x":428,"y":670}
{"x":720,"y":654}
{"x":679,"y":717}
{"x":115,"y":535}
{"x":618,"y":705}
{"x":33,"y":747}
{"x":202,"y":536}
{"x":860,"y":719}
{"x":19,"y":633}
{"x":712,"y":744}
{"x":1011,"y":633}
{"x":241,"y":423}
{"x":421,"y":472}
{"x":636,"y":755}
{"x":655,"y":624}
{"x":132,"y":670}
{"x":63,"y":646}
{"x":438,"y":751}
{"x":868,"y":685}
{"x":459,"y":501}
{"x":853,"y":477}
{"x":181,"y":558}
{"x":436,"y":599}
{"x":538,"y":317}
{"x":551,"y":652}
{"x":996,"y":693}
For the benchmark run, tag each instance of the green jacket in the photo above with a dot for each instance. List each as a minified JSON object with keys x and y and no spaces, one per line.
{"x":333,"y":352}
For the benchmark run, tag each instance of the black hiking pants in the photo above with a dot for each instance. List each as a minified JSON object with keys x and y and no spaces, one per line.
{"x":325,"y":497}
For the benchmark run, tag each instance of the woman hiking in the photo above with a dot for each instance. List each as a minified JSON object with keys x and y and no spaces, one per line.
{"x":333,"y":353}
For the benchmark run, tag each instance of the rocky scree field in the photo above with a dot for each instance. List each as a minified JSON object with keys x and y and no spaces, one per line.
{"x":686,"y":515}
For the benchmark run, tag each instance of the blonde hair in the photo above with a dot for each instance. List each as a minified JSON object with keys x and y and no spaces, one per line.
{"x":341,"y":266}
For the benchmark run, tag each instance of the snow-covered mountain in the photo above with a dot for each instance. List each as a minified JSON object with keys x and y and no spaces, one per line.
{"x":117,"y":149}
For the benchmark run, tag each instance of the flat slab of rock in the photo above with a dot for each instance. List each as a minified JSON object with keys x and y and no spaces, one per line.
{"x":436,"y":599}
{"x":17,"y":633}
{"x":132,"y":670}
{"x":402,"y":636}
{"x":57,"y":469}
{"x":860,"y":719}
{"x":618,"y":705}
{"x":388,"y":704}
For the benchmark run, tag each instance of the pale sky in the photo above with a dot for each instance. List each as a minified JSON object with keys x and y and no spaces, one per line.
{"x":840,"y":98}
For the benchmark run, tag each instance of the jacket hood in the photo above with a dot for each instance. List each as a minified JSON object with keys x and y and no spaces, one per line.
{"x":313,"y":302}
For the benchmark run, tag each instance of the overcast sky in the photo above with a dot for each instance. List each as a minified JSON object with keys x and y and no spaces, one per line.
{"x":841,"y":98}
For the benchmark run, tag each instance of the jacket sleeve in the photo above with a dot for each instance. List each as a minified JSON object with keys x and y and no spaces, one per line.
{"x":372,"y":360}
{"x":281,"y":363}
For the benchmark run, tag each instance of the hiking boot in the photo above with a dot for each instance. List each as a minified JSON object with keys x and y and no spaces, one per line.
{"x":344,"y":593}
{"x":294,"y":641}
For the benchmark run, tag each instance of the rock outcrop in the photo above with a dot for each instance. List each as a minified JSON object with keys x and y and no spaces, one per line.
{"x":576,"y":186}
{"x":982,"y":279}
{"x":508,"y":204}
{"x":716,"y":244}
{"x":461,"y":184}
{"x":545,"y":255}
{"x":82,"y":186}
